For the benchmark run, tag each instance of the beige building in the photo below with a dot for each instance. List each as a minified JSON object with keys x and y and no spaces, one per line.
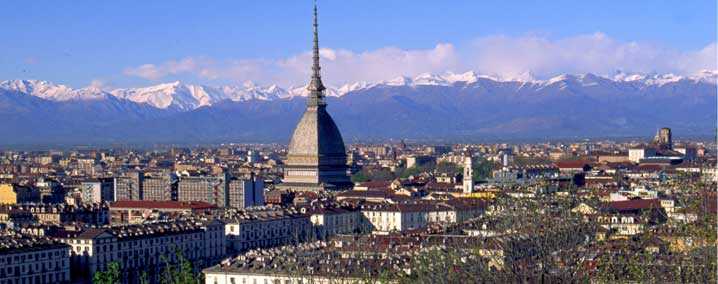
{"x":609,"y":158}
{"x":622,"y":225}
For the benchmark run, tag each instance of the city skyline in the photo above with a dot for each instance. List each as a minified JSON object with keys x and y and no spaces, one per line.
{"x":477,"y":164}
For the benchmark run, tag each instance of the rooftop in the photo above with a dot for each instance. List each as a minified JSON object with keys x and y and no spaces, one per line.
{"x":148,"y":204}
{"x":12,"y":242}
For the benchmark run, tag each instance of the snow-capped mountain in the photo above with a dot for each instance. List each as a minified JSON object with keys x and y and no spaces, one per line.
{"x":708,"y":76}
{"x":53,"y":92}
{"x":188,"y":97}
{"x":184,"y":97}
{"x":449,"y":105}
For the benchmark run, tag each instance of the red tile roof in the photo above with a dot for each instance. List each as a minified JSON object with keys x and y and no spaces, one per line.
{"x":572,"y":164}
{"x":650,"y":168}
{"x":437,"y":186}
{"x":634,"y":204}
{"x":374,"y":184}
{"x":149,"y":204}
{"x":365,"y":194}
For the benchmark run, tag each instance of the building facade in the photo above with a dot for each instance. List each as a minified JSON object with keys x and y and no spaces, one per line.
{"x":98,"y":191}
{"x":243,"y":193}
{"x":265,"y":228}
{"x":146,"y":248}
{"x":129,"y":186}
{"x":140,"y":211}
{"x":330,"y":221}
{"x":205,"y":188}
{"x":159,"y":186}
{"x":26,"y":259}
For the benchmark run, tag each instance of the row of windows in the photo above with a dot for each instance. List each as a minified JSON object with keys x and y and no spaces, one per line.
{"x":20,"y":258}
{"x":302,"y":173}
{"x":24,"y":268}
{"x":233,"y":280}
{"x":44,"y":278}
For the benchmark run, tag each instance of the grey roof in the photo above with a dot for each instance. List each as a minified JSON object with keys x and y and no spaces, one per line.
{"x":317,"y":134}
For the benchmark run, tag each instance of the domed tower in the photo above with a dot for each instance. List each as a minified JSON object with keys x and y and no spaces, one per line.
{"x":317,"y":159}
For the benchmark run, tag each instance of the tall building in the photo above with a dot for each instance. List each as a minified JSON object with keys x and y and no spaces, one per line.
{"x":207,"y":188}
{"x":468,"y":185}
{"x":243,"y":193}
{"x":317,"y":158}
{"x":253,"y":156}
{"x":51,"y":191}
{"x":98,"y":191}
{"x":664,"y":138}
{"x":129,"y":186}
{"x":159,"y":186}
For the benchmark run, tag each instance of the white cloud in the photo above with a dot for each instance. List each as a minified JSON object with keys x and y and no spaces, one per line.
{"x":595,"y":53}
{"x":147,"y":71}
{"x":495,"y":55}
{"x":98,"y":84}
{"x":173,"y":67}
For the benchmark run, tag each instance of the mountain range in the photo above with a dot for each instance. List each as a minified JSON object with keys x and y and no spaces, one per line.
{"x":435,"y":107}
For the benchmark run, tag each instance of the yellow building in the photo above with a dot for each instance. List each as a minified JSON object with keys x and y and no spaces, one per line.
{"x":13,"y":194}
{"x":7,"y":194}
{"x":479,"y":194}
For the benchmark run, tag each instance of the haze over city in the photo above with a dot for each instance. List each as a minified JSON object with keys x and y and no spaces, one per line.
{"x":358,"y":142}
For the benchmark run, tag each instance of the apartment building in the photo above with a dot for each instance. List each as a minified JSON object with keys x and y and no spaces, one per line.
{"x":266,"y":227}
{"x":30,"y":259}
{"x":145,"y":248}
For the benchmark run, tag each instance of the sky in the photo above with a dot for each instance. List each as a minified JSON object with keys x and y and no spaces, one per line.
{"x":135,"y":43}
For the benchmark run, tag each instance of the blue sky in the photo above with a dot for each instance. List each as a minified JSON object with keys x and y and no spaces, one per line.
{"x":136,"y":43}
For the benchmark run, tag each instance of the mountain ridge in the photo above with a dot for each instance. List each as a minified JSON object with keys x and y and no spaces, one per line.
{"x":192,"y":96}
{"x":450,"y":106}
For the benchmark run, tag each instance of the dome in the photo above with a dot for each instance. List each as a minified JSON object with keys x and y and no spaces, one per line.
{"x":316,"y":159}
{"x":316,"y":135}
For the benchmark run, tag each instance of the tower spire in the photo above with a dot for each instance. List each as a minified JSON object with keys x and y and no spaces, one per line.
{"x":316,"y":88}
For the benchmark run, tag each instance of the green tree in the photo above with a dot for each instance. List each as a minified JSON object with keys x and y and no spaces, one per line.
{"x":360,"y":176}
{"x":448,"y":168}
{"x":483,"y":169}
{"x":373,"y":174}
{"x":416,"y":170}
{"x":110,"y":276}
{"x":182,"y":272}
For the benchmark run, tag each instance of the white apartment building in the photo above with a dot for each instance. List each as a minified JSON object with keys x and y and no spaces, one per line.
{"x":622,"y":224}
{"x":636,"y":154}
{"x":384,"y":218}
{"x":25,"y":259}
{"x":263,"y":228}
{"x":332,"y":221}
{"x":145,"y":248}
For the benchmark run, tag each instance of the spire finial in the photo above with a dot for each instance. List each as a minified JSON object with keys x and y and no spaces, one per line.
{"x":316,"y":88}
